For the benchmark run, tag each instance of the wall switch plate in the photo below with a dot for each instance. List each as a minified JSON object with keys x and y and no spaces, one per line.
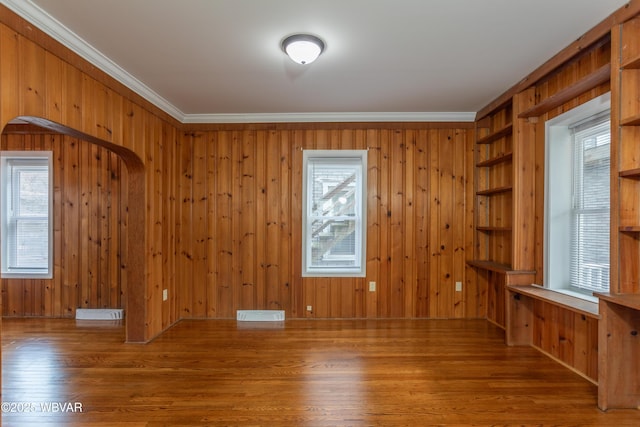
{"x":165,"y":294}
{"x":372,"y":286}
{"x":458,"y":286}
{"x":309,"y":308}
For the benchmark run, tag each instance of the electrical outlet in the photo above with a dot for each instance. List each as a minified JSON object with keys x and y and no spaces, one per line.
{"x":165,"y":294}
{"x":309,"y":308}
{"x":458,"y":286}
{"x":372,"y":286}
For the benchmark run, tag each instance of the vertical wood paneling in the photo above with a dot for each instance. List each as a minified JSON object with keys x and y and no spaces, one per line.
{"x":199,"y":206}
{"x":269,"y":237}
{"x":32,"y":79}
{"x":250,"y":182}
{"x":384,"y":191}
{"x":396,"y":224}
{"x":212,"y":215}
{"x":495,"y":283}
{"x":445,"y":225}
{"x":9,"y":71}
{"x":434,"y":223}
{"x":183,"y":227}
{"x":248,"y":211}
{"x":299,"y":288}
{"x":154,"y":186}
{"x":84,"y":250}
{"x":459,"y":232}
{"x":41,"y":79}
{"x":264,"y":217}
{"x":567,"y":336}
{"x":223,"y":233}
{"x":54,"y":80}
{"x":286,"y":291}
{"x":87,"y":207}
{"x":409,"y":222}
{"x":422,"y":221}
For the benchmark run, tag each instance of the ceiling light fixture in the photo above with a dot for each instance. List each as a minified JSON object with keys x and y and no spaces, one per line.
{"x":303,"y":48}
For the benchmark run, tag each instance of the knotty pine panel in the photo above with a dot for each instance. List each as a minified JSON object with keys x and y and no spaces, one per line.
{"x":567,"y":336}
{"x":51,"y":86}
{"x":239,"y":231}
{"x":88,"y":206}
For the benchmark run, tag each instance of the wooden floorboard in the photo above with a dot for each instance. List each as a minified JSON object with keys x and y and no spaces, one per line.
{"x":297,"y":373}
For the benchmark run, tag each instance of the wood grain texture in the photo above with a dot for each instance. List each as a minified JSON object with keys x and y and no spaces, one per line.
{"x":619,"y":347}
{"x":88,"y":208}
{"x":248,"y":256}
{"x":48,"y":86}
{"x":318,"y":372}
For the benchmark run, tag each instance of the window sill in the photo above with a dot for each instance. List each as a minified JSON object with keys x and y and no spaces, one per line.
{"x":26,"y":276}
{"x":560,"y":299}
{"x":573,"y":294}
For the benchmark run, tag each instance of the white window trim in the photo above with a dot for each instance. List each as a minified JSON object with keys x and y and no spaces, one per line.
{"x":5,"y":157}
{"x":359,"y":270}
{"x":557,"y":223}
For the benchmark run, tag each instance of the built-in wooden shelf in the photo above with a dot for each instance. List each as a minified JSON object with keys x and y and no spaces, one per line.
{"x":496,"y":190}
{"x":497,"y":267}
{"x":506,"y":157}
{"x":595,"y":79}
{"x":629,"y":228}
{"x":631,"y":64}
{"x":491,"y":229}
{"x":490,"y":265}
{"x":630,"y":121}
{"x":502,"y":132}
{"x":571,"y":303}
{"x":630,"y":173}
{"x":625,"y":300}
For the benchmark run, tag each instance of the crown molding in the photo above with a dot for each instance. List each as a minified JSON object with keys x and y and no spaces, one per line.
{"x":55,"y":29}
{"x":331,"y":117}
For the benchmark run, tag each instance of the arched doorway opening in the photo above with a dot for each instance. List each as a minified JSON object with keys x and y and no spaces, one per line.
{"x":133,"y":265}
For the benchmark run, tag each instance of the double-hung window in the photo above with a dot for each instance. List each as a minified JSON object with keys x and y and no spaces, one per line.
{"x":25,"y":213}
{"x":334,"y":220}
{"x":577,"y":203}
{"x":591,"y":212}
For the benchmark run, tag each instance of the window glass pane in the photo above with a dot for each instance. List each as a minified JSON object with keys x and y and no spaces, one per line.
{"x":32,"y":188}
{"x":333,"y":189}
{"x":32,"y":248}
{"x":26,"y":206}
{"x":333,"y":243}
{"x":589,"y":267}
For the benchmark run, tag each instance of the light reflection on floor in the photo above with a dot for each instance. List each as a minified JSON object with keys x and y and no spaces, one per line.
{"x":35,"y":369}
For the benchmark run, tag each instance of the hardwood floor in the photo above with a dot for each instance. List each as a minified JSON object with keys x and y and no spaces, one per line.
{"x":302,"y":373}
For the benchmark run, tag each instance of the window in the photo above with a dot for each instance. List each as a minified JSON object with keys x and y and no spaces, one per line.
{"x":26,"y":208}
{"x":334,"y":184}
{"x":577,"y":201}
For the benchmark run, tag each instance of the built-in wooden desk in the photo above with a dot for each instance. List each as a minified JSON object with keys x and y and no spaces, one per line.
{"x":519,"y":310}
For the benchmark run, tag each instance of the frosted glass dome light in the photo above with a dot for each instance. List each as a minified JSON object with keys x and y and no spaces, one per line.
{"x":303,"y":48}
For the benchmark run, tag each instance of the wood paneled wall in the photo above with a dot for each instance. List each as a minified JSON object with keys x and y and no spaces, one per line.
{"x":89,"y":215}
{"x":239,"y":233}
{"x":45,"y":83}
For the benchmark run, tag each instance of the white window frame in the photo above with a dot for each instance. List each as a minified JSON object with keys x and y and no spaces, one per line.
{"x":558,"y":224}
{"x":8,"y":160}
{"x":359,"y":158}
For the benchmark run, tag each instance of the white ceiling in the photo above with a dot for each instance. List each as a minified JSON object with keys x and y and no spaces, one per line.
{"x":220,"y":60}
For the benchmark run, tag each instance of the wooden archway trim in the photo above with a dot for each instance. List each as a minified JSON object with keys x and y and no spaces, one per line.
{"x":135,"y":268}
